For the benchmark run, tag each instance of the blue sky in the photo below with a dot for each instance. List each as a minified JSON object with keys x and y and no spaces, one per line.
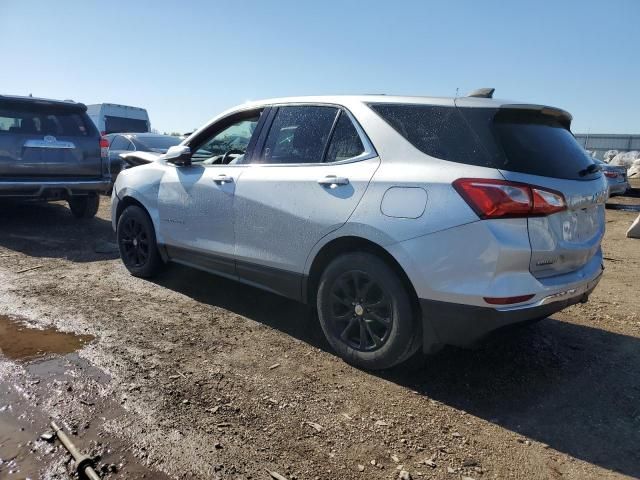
{"x":187,"y":61}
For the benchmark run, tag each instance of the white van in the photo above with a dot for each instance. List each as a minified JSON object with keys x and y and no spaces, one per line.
{"x":113,"y":118}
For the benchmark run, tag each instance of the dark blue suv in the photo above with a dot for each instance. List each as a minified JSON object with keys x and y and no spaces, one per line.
{"x":51,"y":150}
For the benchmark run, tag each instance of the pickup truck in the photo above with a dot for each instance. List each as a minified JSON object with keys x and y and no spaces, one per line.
{"x":51,"y":150}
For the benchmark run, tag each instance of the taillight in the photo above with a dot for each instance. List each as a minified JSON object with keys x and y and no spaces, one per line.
{"x":610,"y":174}
{"x":503,"y":199}
{"x":104,"y":147}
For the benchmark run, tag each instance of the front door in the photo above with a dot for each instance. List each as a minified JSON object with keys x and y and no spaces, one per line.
{"x":309,"y":176}
{"x":195,"y":202}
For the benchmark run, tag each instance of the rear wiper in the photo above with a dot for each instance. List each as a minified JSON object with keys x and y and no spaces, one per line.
{"x":593,"y":168}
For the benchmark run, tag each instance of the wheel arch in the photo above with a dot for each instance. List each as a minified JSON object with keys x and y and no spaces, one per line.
{"x":351,"y":244}
{"x":125,"y":202}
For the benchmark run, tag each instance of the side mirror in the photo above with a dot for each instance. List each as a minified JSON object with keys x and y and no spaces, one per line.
{"x":179,"y":155}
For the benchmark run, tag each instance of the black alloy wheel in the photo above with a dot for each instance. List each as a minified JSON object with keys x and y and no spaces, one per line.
{"x":361,"y":312}
{"x":135,"y":243}
{"x":366,"y":311}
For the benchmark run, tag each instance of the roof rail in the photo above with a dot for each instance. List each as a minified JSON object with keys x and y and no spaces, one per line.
{"x":482,"y":93}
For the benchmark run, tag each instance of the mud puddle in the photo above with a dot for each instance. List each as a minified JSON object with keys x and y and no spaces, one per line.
{"x":20,"y":342}
{"x":42,"y":378}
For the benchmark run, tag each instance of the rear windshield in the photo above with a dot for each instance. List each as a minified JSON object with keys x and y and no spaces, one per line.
{"x":124,"y":125}
{"x":44,"y":121}
{"x":508,"y":139}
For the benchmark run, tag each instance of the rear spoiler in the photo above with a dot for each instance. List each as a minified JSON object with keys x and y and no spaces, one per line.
{"x":562,"y":116}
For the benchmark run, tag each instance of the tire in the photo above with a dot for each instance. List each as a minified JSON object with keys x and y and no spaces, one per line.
{"x":84,"y":207}
{"x":349,"y":279}
{"x":137,"y":243}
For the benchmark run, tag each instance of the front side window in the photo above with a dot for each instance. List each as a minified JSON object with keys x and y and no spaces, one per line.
{"x":227,"y":145}
{"x":299,"y":134}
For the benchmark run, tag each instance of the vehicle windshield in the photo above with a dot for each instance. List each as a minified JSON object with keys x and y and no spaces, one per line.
{"x":233,"y":138}
{"x":123,"y":124}
{"x":161,"y":142}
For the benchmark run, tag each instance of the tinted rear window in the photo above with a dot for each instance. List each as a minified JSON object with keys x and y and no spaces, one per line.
{"x":539,"y":144}
{"x":44,"y":121}
{"x":514,"y":140}
{"x":123,"y":124}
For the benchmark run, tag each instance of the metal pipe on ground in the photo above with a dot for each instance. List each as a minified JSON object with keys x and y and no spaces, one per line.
{"x":84,"y":464}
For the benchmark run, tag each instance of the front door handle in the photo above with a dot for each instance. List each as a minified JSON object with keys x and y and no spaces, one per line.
{"x":332,"y":181}
{"x":222,"y":178}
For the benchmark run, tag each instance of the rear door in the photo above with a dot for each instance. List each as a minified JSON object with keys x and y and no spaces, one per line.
{"x":47,"y":140}
{"x":311,"y":169}
{"x":540,"y":150}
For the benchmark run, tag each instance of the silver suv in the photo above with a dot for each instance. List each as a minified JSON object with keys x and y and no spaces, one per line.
{"x":408,"y":222}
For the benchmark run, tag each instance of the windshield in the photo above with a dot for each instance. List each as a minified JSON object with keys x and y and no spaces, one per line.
{"x":161,"y":142}
{"x":123,"y":124}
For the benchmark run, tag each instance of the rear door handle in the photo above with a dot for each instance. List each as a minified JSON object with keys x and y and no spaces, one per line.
{"x":332,"y":181}
{"x":222,"y":178}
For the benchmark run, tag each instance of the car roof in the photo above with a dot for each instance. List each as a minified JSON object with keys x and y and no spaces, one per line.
{"x":43,"y":101}
{"x":384,"y":98}
{"x":346,"y":100}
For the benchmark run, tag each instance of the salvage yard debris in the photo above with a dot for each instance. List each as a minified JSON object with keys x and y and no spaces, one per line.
{"x":276,"y":475}
{"x":84,"y":464}
{"x":315,"y":426}
{"x":24,"y":270}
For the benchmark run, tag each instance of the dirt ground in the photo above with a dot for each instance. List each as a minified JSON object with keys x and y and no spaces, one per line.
{"x":193,"y":376}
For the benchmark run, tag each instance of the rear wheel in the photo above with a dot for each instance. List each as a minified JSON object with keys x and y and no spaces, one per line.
{"x":85,"y":206}
{"x":365,"y":311}
{"x":137,"y":243}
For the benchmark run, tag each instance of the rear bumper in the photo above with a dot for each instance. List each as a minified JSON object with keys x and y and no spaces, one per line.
{"x":618,"y":188}
{"x":52,"y":188}
{"x":447,"y":323}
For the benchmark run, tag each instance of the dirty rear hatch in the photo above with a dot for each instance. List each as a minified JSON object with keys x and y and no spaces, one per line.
{"x":533,"y":144}
{"x":45,"y":139}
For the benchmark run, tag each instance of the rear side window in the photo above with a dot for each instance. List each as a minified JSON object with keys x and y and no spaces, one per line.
{"x":345,"y":141}
{"x":123,"y":124}
{"x":509,"y":139}
{"x":299,"y":134}
{"x":56,"y":122}
{"x":119,"y":143}
{"x":439,"y":132}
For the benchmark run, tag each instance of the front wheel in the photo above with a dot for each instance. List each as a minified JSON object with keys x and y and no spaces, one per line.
{"x":84,"y":207}
{"x":365,"y":311}
{"x":137,"y":243}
